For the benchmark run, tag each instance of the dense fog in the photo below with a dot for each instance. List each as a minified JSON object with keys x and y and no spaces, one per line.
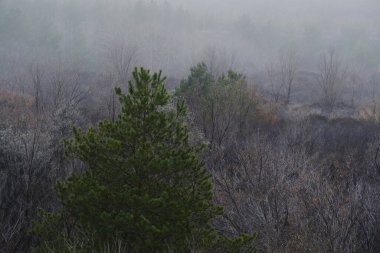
{"x":173,"y":35}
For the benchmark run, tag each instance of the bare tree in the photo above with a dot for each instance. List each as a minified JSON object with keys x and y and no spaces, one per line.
{"x":354,"y":86}
{"x":276,"y":86}
{"x":65,"y":90}
{"x":288,"y":70}
{"x":121,"y":56}
{"x":374,"y":89}
{"x":219,"y":61}
{"x":282,"y":75}
{"x":256,"y":185}
{"x":295,"y":199}
{"x":37,"y":76}
{"x":27,"y":177}
{"x":330,"y":78}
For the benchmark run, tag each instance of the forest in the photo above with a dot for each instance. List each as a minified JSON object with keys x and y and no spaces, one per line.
{"x":189,"y":126}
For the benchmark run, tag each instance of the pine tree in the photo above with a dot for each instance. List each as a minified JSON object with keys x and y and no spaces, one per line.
{"x":224,"y":107}
{"x":144,"y":183}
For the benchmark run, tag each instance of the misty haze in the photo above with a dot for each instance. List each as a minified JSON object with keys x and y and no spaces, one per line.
{"x":190,"y":126}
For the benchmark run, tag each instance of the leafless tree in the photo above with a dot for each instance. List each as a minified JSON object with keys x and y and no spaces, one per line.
{"x":257,"y":188}
{"x":289,"y":68}
{"x":295,"y":200}
{"x":374,"y":89}
{"x":282,"y":76}
{"x":219,"y":61}
{"x":355,"y":84}
{"x":121,"y":56}
{"x":276,"y":86}
{"x":27,"y":178}
{"x":330,"y":78}
{"x":37,"y":75}
{"x":65,"y":90}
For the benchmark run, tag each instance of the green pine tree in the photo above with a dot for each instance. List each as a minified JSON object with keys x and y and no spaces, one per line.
{"x":143,"y":182}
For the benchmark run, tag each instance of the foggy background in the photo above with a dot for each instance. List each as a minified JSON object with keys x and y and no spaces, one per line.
{"x":110,"y":37}
{"x":173,"y":35}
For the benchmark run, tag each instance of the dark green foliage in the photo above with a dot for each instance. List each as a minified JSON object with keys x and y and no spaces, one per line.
{"x":144,"y":183}
{"x":223,"y":106}
{"x":199,"y":77}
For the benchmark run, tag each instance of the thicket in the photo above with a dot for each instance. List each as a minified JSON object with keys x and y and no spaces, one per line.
{"x":306,"y":183}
